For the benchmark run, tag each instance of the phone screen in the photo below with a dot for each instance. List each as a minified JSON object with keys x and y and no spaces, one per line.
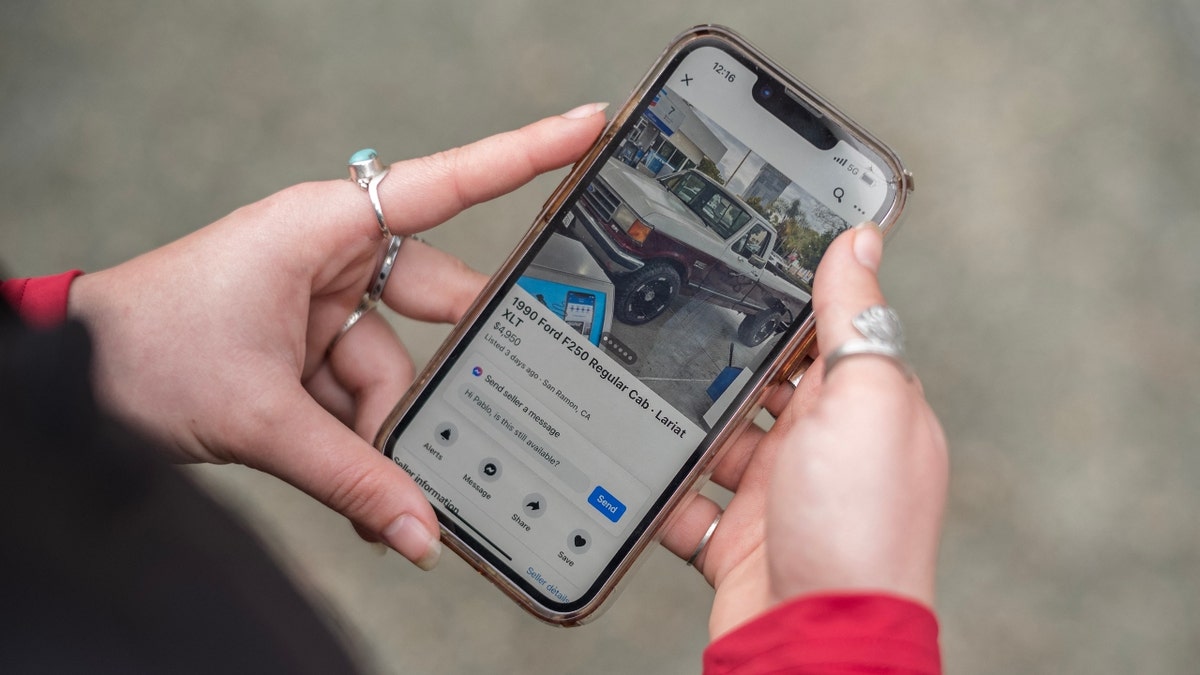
{"x":586,"y":390}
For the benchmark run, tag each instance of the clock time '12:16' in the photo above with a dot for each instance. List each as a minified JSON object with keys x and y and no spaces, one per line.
{"x":724,"y":72}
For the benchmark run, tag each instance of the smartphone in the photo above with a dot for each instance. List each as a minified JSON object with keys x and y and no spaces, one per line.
{"x":685,"y":241}
{"x":579,"y":310}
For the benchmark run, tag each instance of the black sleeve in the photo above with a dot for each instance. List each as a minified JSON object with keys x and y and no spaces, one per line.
{"x":110,"y":558}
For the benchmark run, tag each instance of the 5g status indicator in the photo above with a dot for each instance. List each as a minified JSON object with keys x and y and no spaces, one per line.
{"x":866,"y":176}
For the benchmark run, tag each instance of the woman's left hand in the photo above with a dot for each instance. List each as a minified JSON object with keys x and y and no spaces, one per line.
{"x":216,"y":343}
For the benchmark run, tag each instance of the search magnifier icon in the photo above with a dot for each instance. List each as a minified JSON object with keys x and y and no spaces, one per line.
{"x":838,"y":193}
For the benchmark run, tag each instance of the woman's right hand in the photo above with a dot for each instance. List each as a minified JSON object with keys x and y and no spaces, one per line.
{"x":845,"y":492}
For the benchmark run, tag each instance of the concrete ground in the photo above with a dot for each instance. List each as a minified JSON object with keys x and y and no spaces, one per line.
{"x":1046,"y":270}
{"x":685,"y":349}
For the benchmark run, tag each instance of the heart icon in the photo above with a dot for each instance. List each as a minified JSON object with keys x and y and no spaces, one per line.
{"x":579,"y":541}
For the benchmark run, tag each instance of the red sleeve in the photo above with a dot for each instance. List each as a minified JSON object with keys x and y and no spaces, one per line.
{"x":832,"y":634}
{"x":41,"y":301}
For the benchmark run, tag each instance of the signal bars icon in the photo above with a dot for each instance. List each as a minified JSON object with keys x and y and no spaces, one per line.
{"x":840,"y":160}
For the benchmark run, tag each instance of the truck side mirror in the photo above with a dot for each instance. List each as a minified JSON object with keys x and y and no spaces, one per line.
{"x":758,"y":261}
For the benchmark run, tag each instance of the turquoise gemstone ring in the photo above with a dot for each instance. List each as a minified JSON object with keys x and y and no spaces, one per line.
{"x":368,"y":172}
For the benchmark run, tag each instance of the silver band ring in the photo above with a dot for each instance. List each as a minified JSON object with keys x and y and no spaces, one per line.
{"x":883,"y":335}
{"x":866,"y":347}
{"x":691,"y":561}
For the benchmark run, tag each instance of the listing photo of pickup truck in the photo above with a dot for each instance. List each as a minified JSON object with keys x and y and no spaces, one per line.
{"x":686,"y":234}
{"x":710,"y":252}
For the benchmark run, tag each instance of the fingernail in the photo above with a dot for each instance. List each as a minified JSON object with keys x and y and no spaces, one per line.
{"x":412,"y":540}
{"x":586,"y":110}
{"x":868,"y":245}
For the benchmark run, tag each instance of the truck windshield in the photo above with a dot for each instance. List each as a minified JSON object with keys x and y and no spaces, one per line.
{"x":718,"y":210}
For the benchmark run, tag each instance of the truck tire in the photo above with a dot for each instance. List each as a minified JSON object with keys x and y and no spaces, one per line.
{"x":756,"y":328}
{"x":645,"y":294}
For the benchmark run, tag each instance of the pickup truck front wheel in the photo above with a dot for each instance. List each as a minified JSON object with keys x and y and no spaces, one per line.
{"x":644,"y":294}
{"x":758,"y":327}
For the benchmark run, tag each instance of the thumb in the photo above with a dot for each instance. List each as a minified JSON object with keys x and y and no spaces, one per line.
{"x":306,"y":446}
{"x":847,"y":283}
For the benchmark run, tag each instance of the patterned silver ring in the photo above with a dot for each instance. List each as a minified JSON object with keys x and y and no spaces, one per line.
{"x":883,"y":335}
{"x":379,"y":281}
{"x":365,"y":305}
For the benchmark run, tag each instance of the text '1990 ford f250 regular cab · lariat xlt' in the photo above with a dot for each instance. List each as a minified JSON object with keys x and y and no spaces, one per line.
{"x":684,"y":233}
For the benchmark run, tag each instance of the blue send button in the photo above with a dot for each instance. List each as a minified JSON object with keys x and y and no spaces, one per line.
{"x":607,"y":504}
